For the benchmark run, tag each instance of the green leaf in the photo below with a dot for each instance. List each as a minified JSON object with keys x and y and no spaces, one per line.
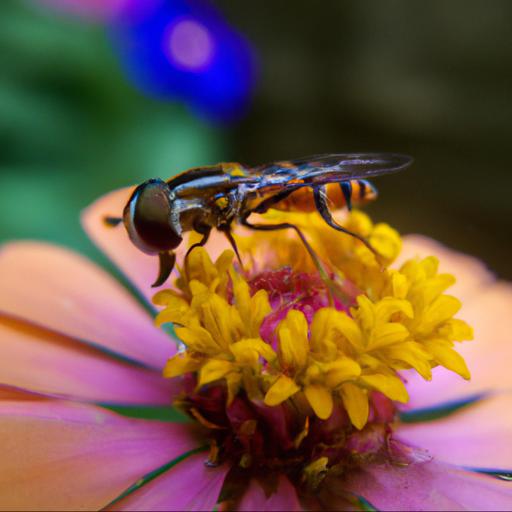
{"x":502,"y":474}
{"x":441,"y":410}
{"x":154,"y":474}
{"x":149,"y":412}
{"x":366,"y":505}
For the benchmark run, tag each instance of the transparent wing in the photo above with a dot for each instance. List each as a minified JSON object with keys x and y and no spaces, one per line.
{"x":321,"y":169}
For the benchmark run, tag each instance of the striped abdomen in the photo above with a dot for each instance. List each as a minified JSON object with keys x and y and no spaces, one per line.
{"x":339,"y":195}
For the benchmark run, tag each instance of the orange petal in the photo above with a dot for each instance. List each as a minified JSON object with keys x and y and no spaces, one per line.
{"x":140,"y":268}
{"x":189,"y":485}
{"x":479,"y":436}
{"x":62,"y":291}
{"x":49,"y":363}
{"x":13,"y":393}
{"x":488,"y":356}
{"x":65,"y":456}
{"x":471,"y":274}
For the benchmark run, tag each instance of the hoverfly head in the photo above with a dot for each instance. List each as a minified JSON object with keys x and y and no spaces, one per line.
{"x":148,"y":218}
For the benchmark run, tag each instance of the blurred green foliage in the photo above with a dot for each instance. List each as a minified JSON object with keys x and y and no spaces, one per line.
{"x":72,"y":128}
{"x":431,"y":79}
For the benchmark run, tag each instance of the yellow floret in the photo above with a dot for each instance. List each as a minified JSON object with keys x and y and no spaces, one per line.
{"x":399,"y":319}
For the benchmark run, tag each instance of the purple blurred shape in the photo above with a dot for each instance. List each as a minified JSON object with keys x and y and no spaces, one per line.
{"x":190,"y":45}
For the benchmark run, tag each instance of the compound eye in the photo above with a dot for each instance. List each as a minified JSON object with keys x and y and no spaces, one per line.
{"x":147,"y":218}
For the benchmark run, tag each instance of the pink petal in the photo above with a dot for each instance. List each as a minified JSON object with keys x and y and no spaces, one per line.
{"x":140,"y":268}
{"x":65,"y":456}
{"x":285,"y":497}
{"x":479,"y":436}
{"x":49,"y":363}
{"x":472,"y":275}
{"x":488,"y":356}
{"x":62,"y":291}
{"x":189,"y":485}
{"x":423,"y":486}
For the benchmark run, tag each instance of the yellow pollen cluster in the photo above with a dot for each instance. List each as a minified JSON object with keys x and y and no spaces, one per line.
{"x":400,"y":319}
{"x":346,"y":256}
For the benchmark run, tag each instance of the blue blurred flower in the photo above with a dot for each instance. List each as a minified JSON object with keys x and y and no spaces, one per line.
{"x":185,"y":50}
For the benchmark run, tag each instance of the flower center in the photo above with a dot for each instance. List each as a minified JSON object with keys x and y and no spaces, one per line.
{"x":284,"y":380}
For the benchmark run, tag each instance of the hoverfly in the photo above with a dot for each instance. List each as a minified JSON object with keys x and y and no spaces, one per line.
{"x":158,"y":213}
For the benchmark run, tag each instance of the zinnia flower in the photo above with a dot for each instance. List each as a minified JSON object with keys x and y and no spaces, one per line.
{"x":350,"y":392}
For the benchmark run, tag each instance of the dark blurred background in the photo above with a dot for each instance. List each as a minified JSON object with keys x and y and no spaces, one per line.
{"x":87,"y":104}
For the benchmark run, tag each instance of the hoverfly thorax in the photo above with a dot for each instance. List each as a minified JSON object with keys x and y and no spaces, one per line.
{"x":148,"y":218}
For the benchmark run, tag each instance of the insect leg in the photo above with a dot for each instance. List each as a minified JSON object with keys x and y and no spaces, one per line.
{"x":287,"y":225}
{"x":229,"y":235}
{"x":205,"y":231}
{"x":166,"y":260}
{"x":271,"y":201}
{"x":323,"y":210}
{"x":333,"y":291}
